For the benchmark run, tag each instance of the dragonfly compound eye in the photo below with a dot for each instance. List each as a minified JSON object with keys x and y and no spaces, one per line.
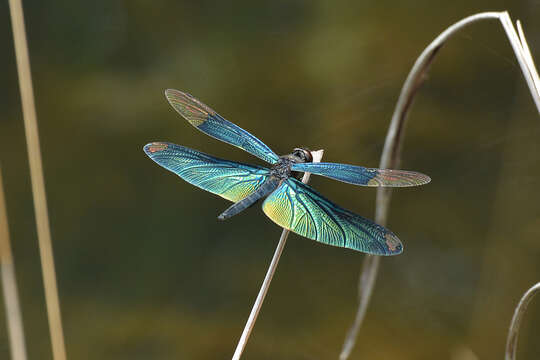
{"x":303,"y":154}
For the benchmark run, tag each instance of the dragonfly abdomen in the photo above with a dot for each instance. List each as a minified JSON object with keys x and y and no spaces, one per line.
{"x":266,"y":188}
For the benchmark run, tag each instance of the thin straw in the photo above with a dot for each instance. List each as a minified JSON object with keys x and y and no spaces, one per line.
{"x":9,"y":285}
{"x":38,"y":183}
{"x":519,"y":312}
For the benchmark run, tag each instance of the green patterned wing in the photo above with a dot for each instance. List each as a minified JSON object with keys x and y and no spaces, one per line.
{"x":211,"y":123}
{"x":228,"y":179}
{"x":301,"y":209}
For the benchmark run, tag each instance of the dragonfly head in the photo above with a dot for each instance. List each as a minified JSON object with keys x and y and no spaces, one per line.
{"x":301,"y":155}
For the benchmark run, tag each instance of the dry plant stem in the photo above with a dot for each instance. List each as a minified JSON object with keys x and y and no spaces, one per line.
{"x":513,"y":332}
{"x":394,"y":138}
{"x":9,"y":286}
{"x":529,"y":64}
{"x":38,"y":184}
{"x":523,"y":56}
{"x":317,"y":156}
{"x":367,"y":279}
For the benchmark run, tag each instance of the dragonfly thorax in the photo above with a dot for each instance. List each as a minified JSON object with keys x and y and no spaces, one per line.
{"x":282,"y":169}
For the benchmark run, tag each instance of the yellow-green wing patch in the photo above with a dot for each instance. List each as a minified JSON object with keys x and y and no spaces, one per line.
{"x":301,"y":209}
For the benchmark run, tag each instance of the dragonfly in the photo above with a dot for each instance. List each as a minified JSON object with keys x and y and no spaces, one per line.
{"x":288,"y":202}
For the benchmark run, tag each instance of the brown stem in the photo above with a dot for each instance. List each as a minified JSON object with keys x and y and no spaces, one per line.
{"x":36,"y":176}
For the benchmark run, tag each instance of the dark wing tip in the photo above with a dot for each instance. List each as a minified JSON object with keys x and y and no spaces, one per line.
{"x":393,"y":244}
{"x":191,"y":109}
{"x":422,"y":179}
{"x":155,"y":147}
{"x":171,"y":93}
{"x":398,"y":178}
{"x":172,"y":96}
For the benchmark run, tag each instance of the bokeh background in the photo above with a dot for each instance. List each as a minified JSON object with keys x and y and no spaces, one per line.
{"x":146,"y":271}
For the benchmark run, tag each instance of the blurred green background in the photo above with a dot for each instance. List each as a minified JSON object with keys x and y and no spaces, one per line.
{"x":146,"y":271}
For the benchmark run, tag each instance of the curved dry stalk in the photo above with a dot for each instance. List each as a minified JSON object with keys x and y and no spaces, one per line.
{"x":317,"y":156}
{"x":519,"y":312}
{"x":394,"y":138}
{"x":9,"y":285}
{"x":368,"y":275}
{"x":36,"y":177}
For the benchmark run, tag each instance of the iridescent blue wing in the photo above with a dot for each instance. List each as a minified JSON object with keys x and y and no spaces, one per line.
{"x":301,"y":209}
{"x":359,"y":175}
{"x":211,"y":123}
{"x":228,"y":179}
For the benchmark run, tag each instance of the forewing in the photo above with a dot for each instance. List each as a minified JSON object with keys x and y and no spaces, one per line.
{"x":359,"y":175}
{"x":211,"y":123}
{"x":301,"y":209}
{"x":228,"y":179}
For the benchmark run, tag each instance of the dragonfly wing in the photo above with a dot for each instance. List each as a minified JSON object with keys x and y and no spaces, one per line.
{"x":359,"y":175}
{"x":301,"y":209}
{"x":211,"y":123}
{"x":228,"y":179}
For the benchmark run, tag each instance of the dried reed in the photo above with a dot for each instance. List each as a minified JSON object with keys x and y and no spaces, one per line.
{"x":391,"y":154}
{"x":36,"y":175}
{"x":519,"y":312}
{"x":9,"y":285}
